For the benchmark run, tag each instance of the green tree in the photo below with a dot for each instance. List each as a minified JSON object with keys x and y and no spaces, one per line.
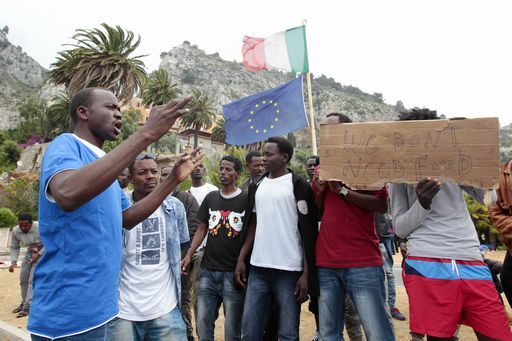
{"x":101,"y":58}
{"x":7,"y":218}
{"x":298,"y":163}
{"x":159,"y":89}
{"x":58,"y":113}
{"x":20,"y":195}
{"x":33,"y":111}
{"x":219,"y":132}
{"x":201,"y":114}
{"x":9,"y":152}
{"x":37,"y":118}
{"x":4,"y":136}
{"x":480,"y":216}
{"x":9,"y":155}
{"x":167,"y":144}
{"x":292,"y":139}
{"x":399,"y":106}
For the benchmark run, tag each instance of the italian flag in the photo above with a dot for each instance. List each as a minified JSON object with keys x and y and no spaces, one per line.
{"x":284,"y":51}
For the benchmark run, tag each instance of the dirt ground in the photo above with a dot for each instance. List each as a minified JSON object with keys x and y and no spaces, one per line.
{"x":10,"y":298}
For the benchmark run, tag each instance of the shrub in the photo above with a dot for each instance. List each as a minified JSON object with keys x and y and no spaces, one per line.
{"x":21,"y":195}
{"x":7,"y":218}
{"x":9,"y":153}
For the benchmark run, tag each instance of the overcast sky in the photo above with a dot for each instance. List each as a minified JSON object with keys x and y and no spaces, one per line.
{"x":449,"y":55}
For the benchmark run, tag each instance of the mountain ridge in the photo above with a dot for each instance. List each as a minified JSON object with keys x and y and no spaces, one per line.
{"x":225,"y":81}
{"x":20,"y":76}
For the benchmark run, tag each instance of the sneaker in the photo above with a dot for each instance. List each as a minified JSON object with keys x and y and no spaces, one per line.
{"x":316,"y":337}
{"x":397,"y":314}
{"x":23,"y":313}
{"x":18,"y":309}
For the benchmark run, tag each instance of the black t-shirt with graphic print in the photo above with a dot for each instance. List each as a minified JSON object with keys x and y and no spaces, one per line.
{"x":224,"y":218}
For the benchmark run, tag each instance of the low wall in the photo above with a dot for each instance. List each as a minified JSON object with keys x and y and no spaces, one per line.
{"x":10,"y":333}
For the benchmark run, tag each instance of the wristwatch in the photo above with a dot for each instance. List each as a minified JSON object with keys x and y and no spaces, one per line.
{"x":343,"y":192}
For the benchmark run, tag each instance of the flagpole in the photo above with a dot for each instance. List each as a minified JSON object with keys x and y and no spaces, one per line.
{"x":311,"y":112}
{"x":311,"y":116}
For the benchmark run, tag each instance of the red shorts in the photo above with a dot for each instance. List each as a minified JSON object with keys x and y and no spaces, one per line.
{"x":444,"y":293}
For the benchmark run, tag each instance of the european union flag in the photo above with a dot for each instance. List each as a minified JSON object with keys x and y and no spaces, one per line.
{"x":274,"y":112}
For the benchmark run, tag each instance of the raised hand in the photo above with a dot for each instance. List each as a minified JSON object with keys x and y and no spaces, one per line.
{"x":320,"y":185}
{"x":186,"y":164}
{"x":426,"y":189}
{"x":162,"y":117}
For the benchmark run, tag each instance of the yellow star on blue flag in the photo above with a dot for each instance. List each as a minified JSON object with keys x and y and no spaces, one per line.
{"x":274,"y":112}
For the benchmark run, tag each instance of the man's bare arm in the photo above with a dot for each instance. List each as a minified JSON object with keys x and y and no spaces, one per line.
{"x":71,"y":189}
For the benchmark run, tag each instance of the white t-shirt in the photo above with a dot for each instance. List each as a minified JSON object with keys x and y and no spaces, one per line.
{"x":277,"y":243}
{"x":147,"y":290}
{"x":200,"y":192}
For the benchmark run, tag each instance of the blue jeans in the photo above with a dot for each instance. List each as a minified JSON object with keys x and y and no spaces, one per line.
{"x":214,"y":288}
{"x":265,"y":284}
{"x":365,"y":286}
{"x":96,"y":334}
{"x":167,"y":327}
{"x":119,"y":329}
{"x":387,"y":257}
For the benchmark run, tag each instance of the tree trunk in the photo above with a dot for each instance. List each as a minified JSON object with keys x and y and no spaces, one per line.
{"x":196,"y":135}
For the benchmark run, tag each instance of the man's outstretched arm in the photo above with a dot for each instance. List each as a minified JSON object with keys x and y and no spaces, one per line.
{"x":73,"y":188}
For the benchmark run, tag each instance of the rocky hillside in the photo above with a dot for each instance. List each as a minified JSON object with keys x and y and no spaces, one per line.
{"x":20,"y":75}
{"x":191,"y":67}
{"x":226,"y":81}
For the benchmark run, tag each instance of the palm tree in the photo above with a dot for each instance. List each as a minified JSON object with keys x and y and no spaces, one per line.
{"x":219,"y":132}
{"x":58,"y":113}
{"x":102,"y":59}
{"x":159,"y":89}
{"x":201,"y":113}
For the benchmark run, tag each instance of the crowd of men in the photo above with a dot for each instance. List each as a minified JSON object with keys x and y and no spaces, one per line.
{"x":134,"y":265}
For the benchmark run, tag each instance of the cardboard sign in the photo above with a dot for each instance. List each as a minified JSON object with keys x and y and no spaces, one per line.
{"x":368,"y":155}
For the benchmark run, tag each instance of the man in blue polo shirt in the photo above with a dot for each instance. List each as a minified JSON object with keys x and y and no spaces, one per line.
{"x":82,"y":210}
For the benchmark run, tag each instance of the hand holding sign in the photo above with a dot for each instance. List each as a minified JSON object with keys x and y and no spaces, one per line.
{"x":426,"y":190}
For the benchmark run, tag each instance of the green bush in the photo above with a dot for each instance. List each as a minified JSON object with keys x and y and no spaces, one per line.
{"x":21,"y":196}
{"x":9,"y":153}
{"x":7,"y":218}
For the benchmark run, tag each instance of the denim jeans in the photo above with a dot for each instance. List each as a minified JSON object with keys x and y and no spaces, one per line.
{"x":119,"y":329}
{"x":390,"y":275}
{"x":96,"y":334}
{"x":214,"y":288}
{"x":365,"y":286}
{"x":189,"y":290}
{"x":352,"y":321}
{"x":265,"y":284}
{"x":167,"y":327}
